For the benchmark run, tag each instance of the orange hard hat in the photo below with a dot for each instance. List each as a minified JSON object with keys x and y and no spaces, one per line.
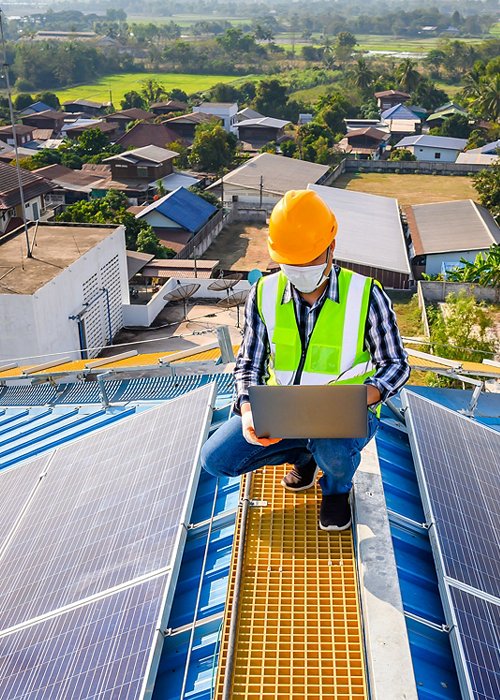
{"x":301,"y":227}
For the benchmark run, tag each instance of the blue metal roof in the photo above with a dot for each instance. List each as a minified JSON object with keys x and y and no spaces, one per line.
{"x":35,"y":108}
{"x":184,"y":207}
{"x":400,"y":111}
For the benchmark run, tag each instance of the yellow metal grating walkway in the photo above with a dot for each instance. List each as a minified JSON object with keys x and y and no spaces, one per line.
{"x":299,"y":631}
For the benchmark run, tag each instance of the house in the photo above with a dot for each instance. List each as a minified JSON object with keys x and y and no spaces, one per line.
{"x":75,"y":129}
{"x":125,"y":116}
{"x":146,"y":134}
{"x":247,"y":113}
{"x":255,"y":133}
{"x":60,"y":35}
{"x":389,"y":98}
{"x":49,"y":119}
{"x":68,"y":296}
{"x":159,"y":109}
{"x":184,"y":126}
{"x":9,"y":155}
{"x":34,"y":108}
{"x":34,"y":190}
{"x":474,"y":158}
{"x":364,"y":143}
{"x":492,"y":148}
{"x":69,"y":185}
{"x":443,"y":113}
{"x":305,"y":118}
{"x":148,"y":163}
{"x":24,"y":134}
{"x":352,"y":124}
{"x":264,"y":179}
{"x":86,"y":106}
{"x":226,"y":111}
{"x":445,"y":232}
{"x":370,"y":237}
{"x":425,"y":147}
{"x":401,"y":121}
{"x":177,"y":217}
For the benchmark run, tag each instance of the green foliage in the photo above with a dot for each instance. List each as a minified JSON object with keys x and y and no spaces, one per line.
{"x":48,"y":98}
{"x":427,"y":95}
{"x":222,"y":92}
{"x":177,"y":94}
{"x":456,"y":126}
{"x":207,"y":196}
{"x":271,"y":98}
{"x":407,"y":75}
{"x":485,"y":270}
{"x":22,"y":100}
{"x":148,"y":242}
{"x":487,"y":184}
{"x":152,"y":91}
{"x":477,"y":138}
{"x":401,"y":154}
{"x":213,"y":148}
{"x":133,"y":99}
{"x":182,"y":160}
{"x":344,"y":46}
{"x":462,"y":332}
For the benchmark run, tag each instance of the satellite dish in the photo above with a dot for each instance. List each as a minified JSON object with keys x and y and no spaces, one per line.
{"x":254,"y":275}
{"x":182,"y":293}
{"x":235,"y":300}
{"x":225,"y":284}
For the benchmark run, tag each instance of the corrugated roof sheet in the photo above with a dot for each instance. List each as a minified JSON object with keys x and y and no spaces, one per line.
{"x":444,"y":227}
{"x":400,"y":112}
{"x":370,"y":230}
{"x":427,"y":141}
{"x":185,"y":208}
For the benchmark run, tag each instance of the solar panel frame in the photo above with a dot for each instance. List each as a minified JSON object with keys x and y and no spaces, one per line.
{"x":475,"y":641}
{"x":482,"y":570}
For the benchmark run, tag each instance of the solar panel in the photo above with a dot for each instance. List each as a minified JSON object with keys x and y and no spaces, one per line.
{"x":98,"y":650}
{"x":458,"y":468}
{"x":112,"y":508}
{"x":16,"y":485}
{"x":478,"y":632}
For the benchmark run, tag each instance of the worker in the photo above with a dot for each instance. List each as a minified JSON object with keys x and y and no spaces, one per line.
{"x":310,"y":323}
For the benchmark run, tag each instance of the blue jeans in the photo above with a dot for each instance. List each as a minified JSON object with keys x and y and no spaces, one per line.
{"x":227,"y":453}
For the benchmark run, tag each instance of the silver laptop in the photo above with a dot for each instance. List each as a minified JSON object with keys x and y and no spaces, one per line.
{"x":325,"y":411}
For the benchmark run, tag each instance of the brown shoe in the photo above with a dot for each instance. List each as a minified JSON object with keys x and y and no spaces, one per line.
{"x":300,"y":478}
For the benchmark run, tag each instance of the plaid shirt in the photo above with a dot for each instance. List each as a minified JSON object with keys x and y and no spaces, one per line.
{"x":382,"y":339}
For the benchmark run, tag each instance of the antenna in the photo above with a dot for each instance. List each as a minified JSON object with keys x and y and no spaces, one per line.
{"x":182,"y":293}
{"x":14,"y":135}
{"x":236,"y":299}
{"x":225,"y":284}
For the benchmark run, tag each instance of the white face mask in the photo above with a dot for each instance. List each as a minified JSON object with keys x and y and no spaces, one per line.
{"x":306,"y":279}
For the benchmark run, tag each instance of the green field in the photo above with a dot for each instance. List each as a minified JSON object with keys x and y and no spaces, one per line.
{"x":186,"y":20}
{"x":121,"y":83}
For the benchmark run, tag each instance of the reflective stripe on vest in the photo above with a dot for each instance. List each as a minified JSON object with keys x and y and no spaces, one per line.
{"x":336,"y":348}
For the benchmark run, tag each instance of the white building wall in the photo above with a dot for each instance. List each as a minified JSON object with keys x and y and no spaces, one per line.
{"x":227,"y":114}
{"x":433,"y":262}
{"x":40,"y":328}
{"x":445,"y":155}
{"x":159,"y":221}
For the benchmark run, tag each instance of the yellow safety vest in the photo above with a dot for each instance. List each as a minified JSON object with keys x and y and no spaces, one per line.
{"x":336,"y":350}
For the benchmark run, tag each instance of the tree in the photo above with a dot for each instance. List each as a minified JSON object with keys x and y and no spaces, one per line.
{"x":148,"y":242}
{"x":152,"y":91}
{"x":344,"y":46}
{"x":407,"y":75}
{"x":222,"y":92}
{"x":179,"y":95}
{"x":487,"y":103}
{"x":271,"y":98}
{"x":485,"y":270}
{"x":427,"y":95}
{"x":401,"y":154}
{"x":487,"y":184}
{"x":22,"y":100}
{"x":362,"y":75}
{"x":213,"y":148}
{"x":182,"y":160}
{"x":48,"y":98}
{"x":91,"y":142}
{"x":132,"y":99}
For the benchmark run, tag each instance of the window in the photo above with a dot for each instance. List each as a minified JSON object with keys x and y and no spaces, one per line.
{"x":142,"y":171}
{"x":437,"y":156}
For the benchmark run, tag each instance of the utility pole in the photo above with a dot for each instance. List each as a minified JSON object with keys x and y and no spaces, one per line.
{"x":14,"y":136}
{"x":261,"y":187}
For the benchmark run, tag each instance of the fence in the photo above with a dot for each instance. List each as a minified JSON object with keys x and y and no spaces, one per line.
{"x":420,"y":167}
{"x":206,"y":235}
{"x":438,"y":291}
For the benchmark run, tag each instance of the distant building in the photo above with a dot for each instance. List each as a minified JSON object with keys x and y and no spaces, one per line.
{"x":75,"y":129}
{"x":445,"y":232}
{"x":370,"y":237}
{"x":49,"y":119}
{"x":264,"y":179}
{"x":177,"y":217}
{"x":492,"y":148}
{"x":35,"y":188}
{"x":184,"y":126}
{"x":389,"y":98}
{"x":364,"y":143}
{"x":255,"y":133}
{"x":69,"y":185}
{"x":305,"y":118}
{"x":69,"y":295}
{"x":35,"y":108}
{"x":425,"y":147}
{"x":147,"y":134}
{"x":226,"y":111}
{"x":24,"y":134}
{"x":125,"y":116}
{"x":440,"y":115}
{"x":86,"y":106}
{"x":475,"y":158}
{"x":159,"y":109}
{"x":247,"y":113}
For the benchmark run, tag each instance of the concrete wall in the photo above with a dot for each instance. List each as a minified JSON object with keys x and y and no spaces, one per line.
{"x":446,"y":155}
{"x":424,"y":167}
{"x":438,"y":291}
{"x":39,"y":324}
{"x":145,"y":314}
{"x":434,"y":261}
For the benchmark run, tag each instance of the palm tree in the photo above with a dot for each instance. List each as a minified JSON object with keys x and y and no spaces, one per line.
{"x":152,"y":91}
{"x":487,"y":102}
{"x":362,"y":75}
{"x":407,"y":75}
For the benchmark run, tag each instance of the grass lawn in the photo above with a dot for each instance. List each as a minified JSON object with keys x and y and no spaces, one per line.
{"x":121,"y":83}
{"x":311,"y":94}
{"x":410,"y":189}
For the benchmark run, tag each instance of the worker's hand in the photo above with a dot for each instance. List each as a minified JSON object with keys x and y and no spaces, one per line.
{"x":248,"y":428}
